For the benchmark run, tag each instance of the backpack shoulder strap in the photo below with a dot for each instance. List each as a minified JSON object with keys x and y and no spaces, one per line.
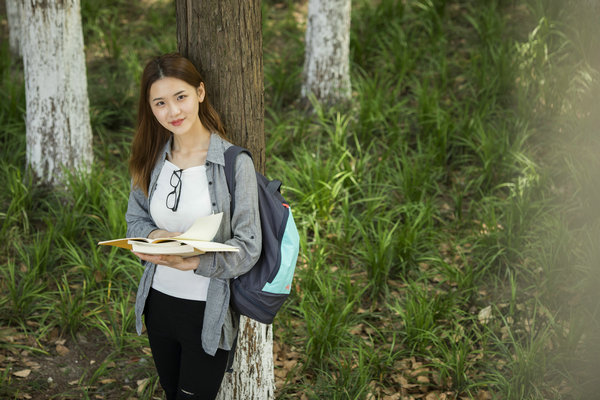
{"x":230,"y":156}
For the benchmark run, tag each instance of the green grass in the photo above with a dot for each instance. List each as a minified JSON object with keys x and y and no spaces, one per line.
{"x":462,"y":177}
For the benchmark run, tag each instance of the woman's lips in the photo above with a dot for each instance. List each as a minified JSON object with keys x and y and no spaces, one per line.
{"x":177,"y":122}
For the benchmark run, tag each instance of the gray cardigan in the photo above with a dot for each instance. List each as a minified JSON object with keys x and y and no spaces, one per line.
{"x":242,"y":229}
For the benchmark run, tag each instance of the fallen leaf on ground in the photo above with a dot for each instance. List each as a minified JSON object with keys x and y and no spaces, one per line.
{"x":24,"y":373}
{"x":280,"y":373}
{"x":32,"y":364}
{"x":141,"y":384}
{"x":62,"y":350}
{"x":484,"y":395}
{"x":433,"y":396}
{"x":485,"y":315}
{"x":400,"y":379}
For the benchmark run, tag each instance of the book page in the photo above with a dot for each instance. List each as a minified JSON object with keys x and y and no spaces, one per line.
{"x":204,"y":228}
{"x":210,"y":246}
{"x":172,"y":248}
{"x":123,"y":243}
{"x":164,"y":245}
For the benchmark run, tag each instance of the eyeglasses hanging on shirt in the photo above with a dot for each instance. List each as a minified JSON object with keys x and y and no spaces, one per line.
{"x":172,"y":200}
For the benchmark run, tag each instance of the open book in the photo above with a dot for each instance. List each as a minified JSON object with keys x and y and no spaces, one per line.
{"x":194,"y":241}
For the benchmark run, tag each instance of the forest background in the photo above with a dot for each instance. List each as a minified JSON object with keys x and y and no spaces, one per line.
{"x":447,"y":214}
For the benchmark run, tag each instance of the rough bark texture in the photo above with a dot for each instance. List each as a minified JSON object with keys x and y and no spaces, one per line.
{"x":224,"y":40}
{"x":58,"y":121}
{"x":252,"y":378}
{"x":326,"y":62}
{"x":13,"y":16}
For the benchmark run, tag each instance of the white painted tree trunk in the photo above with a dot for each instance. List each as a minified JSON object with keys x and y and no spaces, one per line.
{"x":326,"y":62}
{"x":13,"y":16}
{"x":252,"y":378}
{"x":59,"y":134}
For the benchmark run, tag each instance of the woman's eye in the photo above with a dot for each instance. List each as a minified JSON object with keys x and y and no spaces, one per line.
{"x":181,"y":97}
{"x":159,"y":103}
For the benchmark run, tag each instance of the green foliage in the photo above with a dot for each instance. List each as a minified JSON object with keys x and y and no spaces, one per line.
{"x":121,"y":321}
{"x":420,"y":314}
{"x":328,"y":309}
{"x":24,"y":293}
{"x":462,"y":178}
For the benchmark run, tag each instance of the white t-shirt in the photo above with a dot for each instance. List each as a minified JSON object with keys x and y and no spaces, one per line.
{"x":194,"y":202}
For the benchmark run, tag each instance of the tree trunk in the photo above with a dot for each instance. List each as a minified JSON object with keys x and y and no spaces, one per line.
{"x":58,"y":121}
{"x":326,"y":62}
{"x":13,"y":16}
{"x":252,"y":376}
{"x":224,"y":40}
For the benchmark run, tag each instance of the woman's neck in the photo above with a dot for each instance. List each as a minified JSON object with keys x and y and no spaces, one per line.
{"x":190,"y":149}
{"x":189,"y":143}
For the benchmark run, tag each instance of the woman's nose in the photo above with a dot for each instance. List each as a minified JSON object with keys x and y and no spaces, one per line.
{"x":173,"y":109}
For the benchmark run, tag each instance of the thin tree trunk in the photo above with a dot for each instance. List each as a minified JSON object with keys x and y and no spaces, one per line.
{"x":13,"y":16}
{"x":326,"y":62}
{"x":58,"y":122}
{"x":224,"y":40}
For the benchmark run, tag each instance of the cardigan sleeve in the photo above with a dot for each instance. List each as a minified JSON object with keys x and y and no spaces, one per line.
{"x":245,"y":228}
{"x":139,"y":222}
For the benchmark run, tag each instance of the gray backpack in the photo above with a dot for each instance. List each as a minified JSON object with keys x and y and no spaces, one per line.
{"x":261,"y":292}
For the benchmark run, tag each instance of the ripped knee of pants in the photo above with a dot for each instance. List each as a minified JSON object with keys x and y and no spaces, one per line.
{"x":186,"y":395}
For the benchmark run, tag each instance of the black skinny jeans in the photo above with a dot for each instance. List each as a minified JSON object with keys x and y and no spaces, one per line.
{"x":174,"y":330}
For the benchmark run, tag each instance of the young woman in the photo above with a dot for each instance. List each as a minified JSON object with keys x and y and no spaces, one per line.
{"x":177,"y":169}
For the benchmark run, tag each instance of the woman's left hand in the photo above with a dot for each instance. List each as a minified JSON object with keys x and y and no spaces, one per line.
{"x":177,"y":262}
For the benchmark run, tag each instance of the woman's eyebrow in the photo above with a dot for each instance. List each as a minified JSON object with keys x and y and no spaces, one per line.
{"x":176,"y":94}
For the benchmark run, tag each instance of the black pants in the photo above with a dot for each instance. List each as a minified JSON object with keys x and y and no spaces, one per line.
{"x":174,"y":330}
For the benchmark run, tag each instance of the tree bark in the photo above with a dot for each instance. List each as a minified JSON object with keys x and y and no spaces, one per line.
{"x":326,"y":62}
{"x":224,"y":41}
{"x":252,"y":377}
{"x":13,"y":16}
{"x":58,"y":129}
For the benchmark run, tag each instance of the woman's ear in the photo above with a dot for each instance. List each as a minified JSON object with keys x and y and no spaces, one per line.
{"x":201,"y":92}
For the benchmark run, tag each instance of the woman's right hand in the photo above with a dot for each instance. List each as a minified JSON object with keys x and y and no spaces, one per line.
{"x":161,"y":233}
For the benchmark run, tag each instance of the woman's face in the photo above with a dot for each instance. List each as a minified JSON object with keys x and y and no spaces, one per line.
{"x":175,"y":104}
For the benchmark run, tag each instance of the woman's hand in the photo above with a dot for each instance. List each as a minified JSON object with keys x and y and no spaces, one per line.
{"x":161,"y":233}
{"x":177,"y":262}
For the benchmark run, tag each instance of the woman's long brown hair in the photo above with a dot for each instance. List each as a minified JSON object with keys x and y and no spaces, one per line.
{"x":150,"y":136}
